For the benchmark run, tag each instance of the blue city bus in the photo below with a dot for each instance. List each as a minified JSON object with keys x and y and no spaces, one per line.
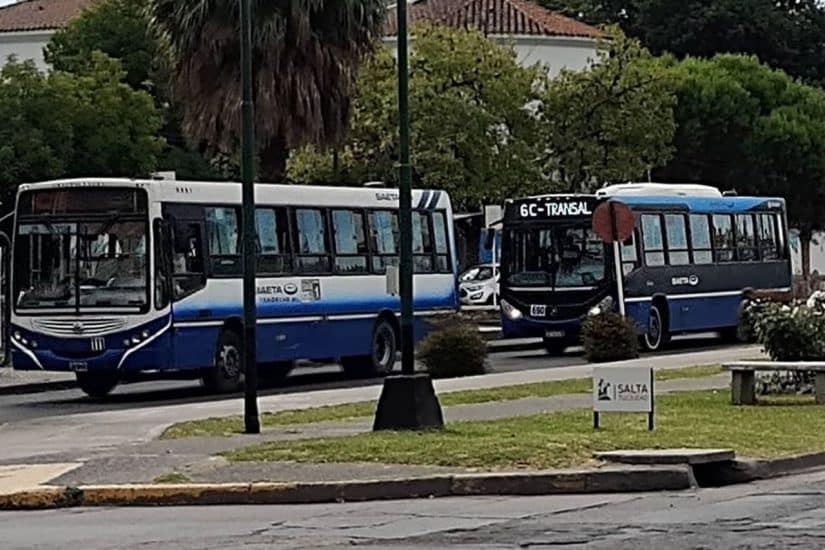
{"x":694,"y":256}
{"x":118,"y":280}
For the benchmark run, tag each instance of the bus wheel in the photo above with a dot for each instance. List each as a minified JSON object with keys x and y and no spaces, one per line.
{"x":382,"y":359}
{"x":97,"y":385}
{"x":657,"y":335}
{"x":227,"y":374}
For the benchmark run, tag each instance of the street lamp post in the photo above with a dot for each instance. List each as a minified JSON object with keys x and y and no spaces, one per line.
{"x":252,"y":423}
{"x":407,"y":401}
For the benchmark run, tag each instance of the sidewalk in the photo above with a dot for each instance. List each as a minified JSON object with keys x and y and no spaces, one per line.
{"x":194,"y":459}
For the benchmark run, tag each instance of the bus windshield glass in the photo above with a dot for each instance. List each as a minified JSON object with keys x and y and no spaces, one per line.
{"x":559,"y":256}
{"x":77,"y":264}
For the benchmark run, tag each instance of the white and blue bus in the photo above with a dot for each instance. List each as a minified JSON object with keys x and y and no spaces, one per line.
{"x":694,"y":256}
{"x":120,"y":280}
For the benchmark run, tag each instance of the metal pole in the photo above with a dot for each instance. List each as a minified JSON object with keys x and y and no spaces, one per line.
{"x":495,"y":271}
{"x":405,"y":195}
{"x":252,"y":423}
{"x":617,"y":260}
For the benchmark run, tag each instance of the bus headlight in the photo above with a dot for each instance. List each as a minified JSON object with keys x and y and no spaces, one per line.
{"x":512,"y":312}
{"x":18,"y":336}
{"x":602,"y":307}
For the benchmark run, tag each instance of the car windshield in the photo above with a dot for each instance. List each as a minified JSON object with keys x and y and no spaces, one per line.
{"x":559,"y":256}
{"x":478,"y":273}
{"x":79,"y":264}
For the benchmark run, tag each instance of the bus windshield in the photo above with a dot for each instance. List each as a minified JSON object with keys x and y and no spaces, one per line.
{"x":557,"y":256}
{"x":79,"y":264}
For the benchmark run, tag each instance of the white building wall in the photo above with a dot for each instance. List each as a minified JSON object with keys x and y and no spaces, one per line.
{"x":555,"y":52}
{"x":24,"y":46}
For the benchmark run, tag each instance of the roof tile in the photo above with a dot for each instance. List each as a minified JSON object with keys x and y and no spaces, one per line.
{"x":497,"y":17}
{"x":32,"y":15}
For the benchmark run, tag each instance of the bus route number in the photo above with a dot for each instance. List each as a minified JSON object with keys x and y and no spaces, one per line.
{"x":554,"y":209}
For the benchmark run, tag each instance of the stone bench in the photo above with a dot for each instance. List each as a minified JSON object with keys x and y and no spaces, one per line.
{"x":743,"y":379}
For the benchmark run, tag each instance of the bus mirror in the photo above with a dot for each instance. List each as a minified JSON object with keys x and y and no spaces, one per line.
{"x":489,"y":239}
{"x":393,"y":284}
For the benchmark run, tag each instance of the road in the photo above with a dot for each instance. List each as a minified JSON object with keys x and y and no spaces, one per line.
{"x":781,"y":513}
{"x":16,"y":408}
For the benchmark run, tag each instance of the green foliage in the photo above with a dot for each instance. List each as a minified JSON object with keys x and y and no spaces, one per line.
{"x":118,"y":28}
{"x":471,"y":133}
{"x":66,"y":125}
{"x":791,"y":332}
{"x":305,"y":56}
{"x":785,"y":34}
{"x":609,"y":337}
{"x":613,"y":122}
{"x":745,"y":126}
{"x":453,"y":348}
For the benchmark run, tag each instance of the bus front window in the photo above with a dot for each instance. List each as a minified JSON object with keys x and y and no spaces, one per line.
{"x":81,"y":265}
{"x":560,"y":257}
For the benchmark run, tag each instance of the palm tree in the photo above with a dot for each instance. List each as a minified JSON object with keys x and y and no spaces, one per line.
{"x":305,"y":53}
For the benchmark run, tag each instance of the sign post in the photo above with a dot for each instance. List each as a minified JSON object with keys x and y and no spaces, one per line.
{"x":623,"y":390}
{"x":613,"y":222}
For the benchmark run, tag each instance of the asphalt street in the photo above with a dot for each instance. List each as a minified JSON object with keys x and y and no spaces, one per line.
{"x":781,"y":513}
{"x":16,"y":408}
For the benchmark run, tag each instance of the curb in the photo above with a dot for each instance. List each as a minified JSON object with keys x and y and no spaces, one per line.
{"x":746,"y":471}
{"x":607,"y":480}
{"x":37,"y":387}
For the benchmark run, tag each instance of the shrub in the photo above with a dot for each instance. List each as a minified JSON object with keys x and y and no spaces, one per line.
{"x":791,"y":332}
{"x":609,"y":337}
{"x":454,"y":347}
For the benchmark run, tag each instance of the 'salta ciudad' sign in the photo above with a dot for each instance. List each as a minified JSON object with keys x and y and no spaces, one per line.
{"x":623,"y":390}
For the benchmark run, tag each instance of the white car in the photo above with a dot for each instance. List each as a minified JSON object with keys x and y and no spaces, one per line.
{"x":476,"y":285}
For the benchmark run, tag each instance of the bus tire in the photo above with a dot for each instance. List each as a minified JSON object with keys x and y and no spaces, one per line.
{"x":657,"y":335}
{"x":96,"y":385}
{"x":227,"y":374}
{"x":381,"y":361}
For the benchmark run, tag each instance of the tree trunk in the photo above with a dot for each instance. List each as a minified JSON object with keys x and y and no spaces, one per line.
{"x":273,"y":161}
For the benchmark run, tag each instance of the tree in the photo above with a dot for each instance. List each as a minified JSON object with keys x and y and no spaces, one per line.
{"x":121,"y":29}
{"x":745,"y":126}
{"x":472,"y":133}
{"x":612,"y":122}
{"x":66,"y":125}
{"x":305,"y":55}
{"x":786,"y":34}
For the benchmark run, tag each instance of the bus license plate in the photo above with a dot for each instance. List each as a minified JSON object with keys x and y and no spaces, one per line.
{"x":554,"y":334}
{"x":78,"y":366}
{"x":538,"y":311}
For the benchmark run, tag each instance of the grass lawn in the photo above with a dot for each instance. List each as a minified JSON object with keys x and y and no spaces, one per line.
{"x":566,"y":439}
{"x":231,"y":425}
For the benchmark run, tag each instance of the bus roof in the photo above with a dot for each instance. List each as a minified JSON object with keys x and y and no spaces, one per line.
{"x":275,"y":194}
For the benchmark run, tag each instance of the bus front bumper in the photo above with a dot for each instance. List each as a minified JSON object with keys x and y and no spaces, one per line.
{"x":567,"y":329}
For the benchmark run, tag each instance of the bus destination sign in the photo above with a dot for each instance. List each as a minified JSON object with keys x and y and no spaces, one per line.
{"x":555,"y":207}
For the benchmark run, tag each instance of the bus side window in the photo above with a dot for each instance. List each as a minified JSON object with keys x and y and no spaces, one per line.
{"x":223,"y":236}
{"x":350,"y":242}
{"x":766,"y":237}
{"x":442,"y":248}
{"x":700,"y":239}
{"x":188,"y":272}
{"x":653,"y":241}
{"x":313,"y":248}
{"x":385,"y":239}
{"x":677,"y":244}
{"x":630,"y":256}
{"x":422,"y":243}
{"x":274,"y":247}
{"x":162,"y":264}
{"x":723,"y":242}
{"x":746,"y":249}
